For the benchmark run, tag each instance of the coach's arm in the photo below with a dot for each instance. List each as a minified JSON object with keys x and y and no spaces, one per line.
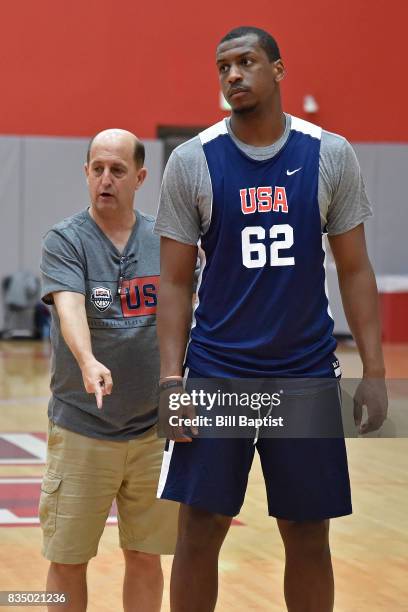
{"x":360,"y":301}
{"x":75,"y":331}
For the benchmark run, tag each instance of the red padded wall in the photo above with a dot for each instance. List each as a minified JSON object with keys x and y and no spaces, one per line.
{"x":72,"y":68}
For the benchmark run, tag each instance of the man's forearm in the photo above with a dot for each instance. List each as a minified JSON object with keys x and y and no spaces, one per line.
{"x":360,"y":300}
{"x":75,"y":331}
{"x":74,"y":325}
{"x":173,"y":326}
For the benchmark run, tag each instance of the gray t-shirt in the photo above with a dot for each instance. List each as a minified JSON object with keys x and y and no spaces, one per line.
{"x":185,"y":201}
{"x":79,"y":257}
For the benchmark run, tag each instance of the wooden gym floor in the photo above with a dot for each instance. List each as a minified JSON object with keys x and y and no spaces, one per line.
{"x":370,"y":548}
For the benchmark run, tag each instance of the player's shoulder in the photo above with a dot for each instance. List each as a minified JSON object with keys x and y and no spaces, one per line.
{"x":213,"y":132}
{"x":330,"y":141}
{"x":336,"y":154}
{"x":193,"y":148}
{"x":333,"y":143}
{"x":187,"y":152}
{"x":305,"y":127}
{"x":69,"y":226}
{"x":186,"y":165}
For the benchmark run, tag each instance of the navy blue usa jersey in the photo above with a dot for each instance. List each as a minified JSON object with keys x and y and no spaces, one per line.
{"x":262,"y":308}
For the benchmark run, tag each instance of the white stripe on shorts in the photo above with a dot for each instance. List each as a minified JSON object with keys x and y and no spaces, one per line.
{"x":165,"y":468}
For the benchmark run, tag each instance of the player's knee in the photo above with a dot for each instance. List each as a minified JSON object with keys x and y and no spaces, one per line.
{"x":199,"y":529}
{"x":310,"y":538}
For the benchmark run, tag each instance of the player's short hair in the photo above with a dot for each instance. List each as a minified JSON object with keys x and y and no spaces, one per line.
{"x":138,"y":152}
{"x":266,"y":41}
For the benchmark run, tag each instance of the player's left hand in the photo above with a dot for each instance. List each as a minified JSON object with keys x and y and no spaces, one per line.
{"x":372,"y":393}
{"x":180,"y":432}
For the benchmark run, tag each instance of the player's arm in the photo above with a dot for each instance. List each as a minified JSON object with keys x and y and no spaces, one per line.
{"x":348,"y":209}
{"x":179,"y":225}
{"x":360,"y":297}
{"x":360,"y":301}
{"x":75,"y":331}
{"x":177,"y":265}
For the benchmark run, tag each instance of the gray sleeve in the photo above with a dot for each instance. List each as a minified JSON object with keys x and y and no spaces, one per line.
{"x":348,"y":205}
{"x":178,"y":215}
{"x":61,"y":266}
{"x":186,"y":195}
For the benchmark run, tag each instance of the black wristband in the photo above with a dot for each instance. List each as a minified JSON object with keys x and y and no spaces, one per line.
{"x":168,"y":384}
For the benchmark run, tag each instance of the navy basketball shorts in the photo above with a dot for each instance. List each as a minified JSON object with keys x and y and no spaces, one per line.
{"x":306,"y":479}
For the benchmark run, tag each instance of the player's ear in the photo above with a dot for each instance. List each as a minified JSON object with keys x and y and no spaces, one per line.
{"x":141,"y":176}
{"x":279,"y":70}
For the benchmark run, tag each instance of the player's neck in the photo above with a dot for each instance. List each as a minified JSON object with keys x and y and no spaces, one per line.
{"x":259,"y":128}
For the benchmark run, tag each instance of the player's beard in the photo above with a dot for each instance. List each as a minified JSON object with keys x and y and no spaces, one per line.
{"x":245,"y":110}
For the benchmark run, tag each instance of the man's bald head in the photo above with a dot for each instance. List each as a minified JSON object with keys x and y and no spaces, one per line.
{"x":114,"y":137}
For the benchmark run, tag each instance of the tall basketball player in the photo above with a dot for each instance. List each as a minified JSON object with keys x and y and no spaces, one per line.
{"x":259,"y":189}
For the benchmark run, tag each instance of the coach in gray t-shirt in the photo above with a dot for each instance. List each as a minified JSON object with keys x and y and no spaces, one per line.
{"x":79,"y":257}
{"x":100,"y":271}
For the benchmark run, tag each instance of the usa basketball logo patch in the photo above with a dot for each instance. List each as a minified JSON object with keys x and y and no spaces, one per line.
{"x":101,"y":298}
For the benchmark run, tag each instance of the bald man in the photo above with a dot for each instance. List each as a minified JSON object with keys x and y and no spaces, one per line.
{"x":100,"y":271}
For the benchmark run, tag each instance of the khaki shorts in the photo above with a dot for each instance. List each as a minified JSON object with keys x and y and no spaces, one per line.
{"x":83,"y":477}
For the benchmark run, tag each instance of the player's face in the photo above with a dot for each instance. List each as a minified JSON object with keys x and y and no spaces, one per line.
{"x":247,"y":77}
{"x":113,"y":176}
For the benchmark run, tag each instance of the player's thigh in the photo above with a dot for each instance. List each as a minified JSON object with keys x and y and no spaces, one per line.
{"x":306,"y":478}
{"x":146,"y":523}
{"x":208,"y":473}
{"x":81,"y":480}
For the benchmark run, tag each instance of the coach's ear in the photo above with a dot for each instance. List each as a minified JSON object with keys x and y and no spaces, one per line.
{"x":141,"y":177}
{"x":86,"y":169}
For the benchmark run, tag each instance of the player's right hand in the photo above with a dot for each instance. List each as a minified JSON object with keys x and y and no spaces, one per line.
{"x":168,"y":415}
{"x":97,"y":379}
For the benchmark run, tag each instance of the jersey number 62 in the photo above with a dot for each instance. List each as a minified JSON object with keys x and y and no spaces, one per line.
{"x":254,"y":253}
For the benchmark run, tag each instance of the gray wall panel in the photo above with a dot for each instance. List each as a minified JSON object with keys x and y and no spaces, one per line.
{"x":54,"y":188}
{"x":147,"y":198}
{"x":385,"y":171}
{"x":391,"y":209}
{"x":10,"y":209}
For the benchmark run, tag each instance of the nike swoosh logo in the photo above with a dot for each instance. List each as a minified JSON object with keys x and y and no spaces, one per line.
{"x":290,"y":172}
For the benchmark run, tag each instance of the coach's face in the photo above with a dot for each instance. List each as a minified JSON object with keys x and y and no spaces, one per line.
{"x":112,"y":173}
{"x":248,"y":77}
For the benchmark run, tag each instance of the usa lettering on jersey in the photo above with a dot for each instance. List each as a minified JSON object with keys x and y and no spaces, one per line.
{"x":263,"y":199}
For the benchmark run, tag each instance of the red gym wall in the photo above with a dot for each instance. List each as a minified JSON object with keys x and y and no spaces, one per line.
{"x":73,"y":68}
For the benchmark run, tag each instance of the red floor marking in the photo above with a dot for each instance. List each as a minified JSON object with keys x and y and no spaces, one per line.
{"x":40,"y":434}
{"x":20,"y":497}
{"x":11,"y":451}
{"x":21,"y":500}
